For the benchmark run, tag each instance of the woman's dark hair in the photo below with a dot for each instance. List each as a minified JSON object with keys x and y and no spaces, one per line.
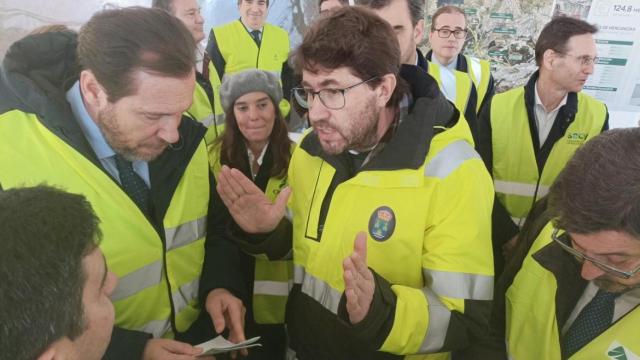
{"x":233,"y":151}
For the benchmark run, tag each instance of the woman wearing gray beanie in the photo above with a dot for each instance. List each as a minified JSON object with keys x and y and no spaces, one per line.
{"x":255,"y":141}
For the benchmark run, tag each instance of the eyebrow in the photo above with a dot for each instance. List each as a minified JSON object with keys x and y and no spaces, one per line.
{"x":581,"y":249}
{"x":259,"y":100}
{"x":323,"y":84}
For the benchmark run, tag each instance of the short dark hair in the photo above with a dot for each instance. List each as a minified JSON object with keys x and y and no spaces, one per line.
{"x":116,"y":43}
{"x":447,"y":9}
{"x":233,"y":151}
{"x":240,"y":1}
{"x":45,"y":235}
{"x":416,"y":7}
{"x":356,"y":38}
{"x":166,"y":5}
{"x":599,"y":190}
{"x":557,"y":33}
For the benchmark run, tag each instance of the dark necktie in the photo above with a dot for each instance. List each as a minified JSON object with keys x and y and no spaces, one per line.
{"x":255,"y":34}
{"x":133,"y":184}
{"x":594,"y":318}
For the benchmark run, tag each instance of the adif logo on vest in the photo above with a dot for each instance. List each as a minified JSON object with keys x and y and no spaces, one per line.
{"x":617,"y":351}
{"x":576,"y":138}
{"x":382,"y":223}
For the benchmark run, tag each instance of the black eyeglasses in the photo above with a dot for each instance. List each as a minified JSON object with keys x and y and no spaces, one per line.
{"x":331,"y":98}
{"x":457,"y":33}
{"x":564,"y":241}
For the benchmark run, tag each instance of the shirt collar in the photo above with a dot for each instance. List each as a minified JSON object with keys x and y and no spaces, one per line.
{"x":452,"y":66}
{"x":88,"y":126}
{"x":539,"y":101}
{"x":248,"y":28}
{"x":260,"y":158}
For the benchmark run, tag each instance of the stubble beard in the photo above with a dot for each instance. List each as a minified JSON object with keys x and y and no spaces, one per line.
{"x":360,"y":135}
{"x":112,"y":133}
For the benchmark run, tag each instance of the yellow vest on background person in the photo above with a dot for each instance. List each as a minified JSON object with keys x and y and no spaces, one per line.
{"x":462,"y":80}
{"x":208,"y":110}
{"x":480,"y":74}
{"x":158,"y":276}
{"x":532,"y":329}
{"x":240,"y":51}
{"x":518,"y":181}
{"x":272,"y":278}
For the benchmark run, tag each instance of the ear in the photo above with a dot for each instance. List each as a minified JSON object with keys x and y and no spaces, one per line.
{"x":61,"y":349}
{"x":418,"y":32}
{"x":548,"y":59}
{"x":93,"y":93}
{"x":385,"y":89}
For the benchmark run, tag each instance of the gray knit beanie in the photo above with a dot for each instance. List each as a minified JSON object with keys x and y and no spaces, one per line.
{"x":252,"y":80}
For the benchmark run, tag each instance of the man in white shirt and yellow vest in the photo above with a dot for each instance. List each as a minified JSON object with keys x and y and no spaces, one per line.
{"x":572,"y":290}
{"x":249,"y":43}
{"x":466,"y":81}
{"x":527,"y":134}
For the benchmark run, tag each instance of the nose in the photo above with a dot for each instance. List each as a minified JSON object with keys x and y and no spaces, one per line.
{"x":110,"y":283}
{"x":199,"y":18}
{"x":589,"y":69}
{"x":169,"y":129}
{"x":254,"y":114}
{"x":590,"y":271}
{"x":317,"y":110}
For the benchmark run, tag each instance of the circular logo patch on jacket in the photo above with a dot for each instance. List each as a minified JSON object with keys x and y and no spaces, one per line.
{"x":382,"y":223}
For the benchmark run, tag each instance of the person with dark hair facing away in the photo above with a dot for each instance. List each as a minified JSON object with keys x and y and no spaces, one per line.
{"x":101,"y":114}
{"x":465,"y":80}
{"x":527,"y":134}
{"x":390,"y":207}
{"x":250,"y":43}
{"x":206,"y":106}
{"x":54,"y":281}
{"x":572,"y":289}
{"x":256,"y":142}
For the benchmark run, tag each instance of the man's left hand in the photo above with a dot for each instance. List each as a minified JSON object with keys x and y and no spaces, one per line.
{"x":359,"y":284}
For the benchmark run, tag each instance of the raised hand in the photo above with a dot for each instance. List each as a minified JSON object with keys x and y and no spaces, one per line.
{"x":359,"y":284}
{"x":247,"y":204}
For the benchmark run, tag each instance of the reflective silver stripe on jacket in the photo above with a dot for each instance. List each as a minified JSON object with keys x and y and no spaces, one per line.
{"x":208,"y":121}
{"x":319,"y":290}
{"x":156,"y":327}
{"x":520,"y":189}
{"x":274,"y":288}
{"x":136,"y":281}
{"x":185,"y":294}
{"x":186,"y":233}
{"x":449,"y":159}
{"x":459,"y":285}
{"x":439,"y":316}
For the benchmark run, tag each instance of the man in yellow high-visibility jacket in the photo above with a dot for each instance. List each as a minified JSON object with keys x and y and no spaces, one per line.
{"x":572,"y":290}
{"x":250,"y":43}
{"x":466,"y":81}
{"x":404,"y":182}
{"x":110,"y":126}
{"x":527,"y":134}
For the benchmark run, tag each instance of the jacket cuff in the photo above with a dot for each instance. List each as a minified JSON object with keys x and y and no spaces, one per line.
{"x":126,"y":344}
{"x":275,"y":244}
{"x":376,"y":325}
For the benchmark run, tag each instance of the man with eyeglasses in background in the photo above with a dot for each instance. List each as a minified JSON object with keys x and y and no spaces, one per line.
{"x":572,"y":290}
{"x":466,"y":81}
{"x":390,"y":207}
{"x":527,"y":134}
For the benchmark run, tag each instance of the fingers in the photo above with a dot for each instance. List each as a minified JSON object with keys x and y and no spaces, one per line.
{"x":283,"y":199}
{"x":242,"y":184}
{"x":180,"y":348}
{"x":217,"y":315}
{"x":236,"y":322}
